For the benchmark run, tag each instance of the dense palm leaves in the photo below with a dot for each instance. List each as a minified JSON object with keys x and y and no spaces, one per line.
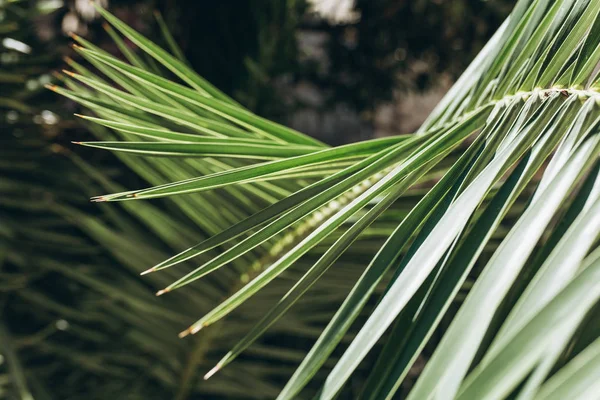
{"x":76,"y":321}
{"x":509,"y":161}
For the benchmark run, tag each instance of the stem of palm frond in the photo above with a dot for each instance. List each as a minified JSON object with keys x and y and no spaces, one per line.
{"x":310,"y":224}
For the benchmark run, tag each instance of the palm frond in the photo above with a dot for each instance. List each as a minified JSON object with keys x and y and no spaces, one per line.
{"x":76,"y":320}
{"x":509,"y":162}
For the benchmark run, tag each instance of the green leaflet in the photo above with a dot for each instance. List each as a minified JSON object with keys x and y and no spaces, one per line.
{"x":206,"y":149}
{"x":260,"y":171}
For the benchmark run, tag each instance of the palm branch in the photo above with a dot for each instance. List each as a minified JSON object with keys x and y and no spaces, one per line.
{"x":495,"y":250}
{"x":76,"y":321}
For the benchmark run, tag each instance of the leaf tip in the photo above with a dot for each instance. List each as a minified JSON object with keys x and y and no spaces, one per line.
{"x":52,"y":87}
{"x":213,"y":371}
{"x":192,"y":330}
{"x":184,"y":333}
{"x":148,"y":271}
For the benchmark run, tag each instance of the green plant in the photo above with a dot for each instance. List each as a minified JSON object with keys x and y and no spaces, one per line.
{"x":499,"y":189}
{"x":75,"y":320}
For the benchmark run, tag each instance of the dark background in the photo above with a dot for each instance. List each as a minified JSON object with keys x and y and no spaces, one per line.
{"x":377,"y":73}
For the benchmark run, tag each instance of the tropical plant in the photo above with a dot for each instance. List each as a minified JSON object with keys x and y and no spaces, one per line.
{"x":75,"y":320}
{"x":497,"y":195}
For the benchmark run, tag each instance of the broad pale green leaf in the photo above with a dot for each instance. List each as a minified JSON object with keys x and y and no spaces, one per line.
{"x":400,"y":354}
{"x":437,"y":199}
{"x":511,"y":363}
{"x":425,"y":259}
{"x":579,"y":379}
{"x":588,"y":57}
{"x":454,"y":355}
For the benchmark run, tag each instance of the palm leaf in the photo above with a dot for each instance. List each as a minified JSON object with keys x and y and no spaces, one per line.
{"x":509,"y":160}
{"x":76,"y":319}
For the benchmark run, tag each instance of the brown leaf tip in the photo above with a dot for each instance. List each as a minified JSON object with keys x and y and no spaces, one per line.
{"x":183,"y":334}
